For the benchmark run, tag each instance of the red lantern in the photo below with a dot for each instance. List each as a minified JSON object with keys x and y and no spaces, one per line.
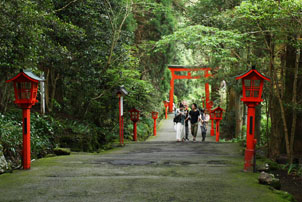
{"x":252,"y":86}
{"x":121,"y":92}
{"x":166,"y":103}
{"x":134,"y":116}
{"x":217,"y":115}
{"x":26,"y":88}
{"x":212,"y":118}
{"x":154,"y":116}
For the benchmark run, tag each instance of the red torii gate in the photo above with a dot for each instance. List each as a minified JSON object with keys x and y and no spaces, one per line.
{"x":189,"y":69}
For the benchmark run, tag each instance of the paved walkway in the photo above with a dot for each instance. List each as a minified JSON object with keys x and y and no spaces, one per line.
{"x":157,"y":170}
{"x":167,"y":132}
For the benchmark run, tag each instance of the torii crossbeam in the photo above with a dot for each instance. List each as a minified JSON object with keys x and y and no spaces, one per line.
{"x":188,"y":69}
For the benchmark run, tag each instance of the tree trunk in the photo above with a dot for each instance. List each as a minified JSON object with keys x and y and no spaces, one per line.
{"x":243,"y":132}
{"x":47,"y":90}
{"x":258,"y":124}
{"x":294,"y":103}
{"x":276,"y":135}
{"x":50,"y":88}
{"x":238,"y":115}
{"x":54,"y":80}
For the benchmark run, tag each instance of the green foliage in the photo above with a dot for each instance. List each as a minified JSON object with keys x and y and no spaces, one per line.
{"x":86,"y":49}
{"x":211,"y":42}
{"x":42,"y":135}
{"x":293,"y":169}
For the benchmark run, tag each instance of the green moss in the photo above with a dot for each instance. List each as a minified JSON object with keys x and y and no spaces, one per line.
{"x":61,"y":151}
{"x":284,"y":195}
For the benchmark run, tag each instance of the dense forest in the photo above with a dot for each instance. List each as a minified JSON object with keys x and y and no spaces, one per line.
{"x":87,"y":48}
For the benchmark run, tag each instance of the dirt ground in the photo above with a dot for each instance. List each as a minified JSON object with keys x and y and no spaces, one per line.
{"x":290,"y":183}
{"x":159,"y":169}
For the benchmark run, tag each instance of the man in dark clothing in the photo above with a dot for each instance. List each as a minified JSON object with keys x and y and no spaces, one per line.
{"x":187,"y":125}
{"x":194,"y":118}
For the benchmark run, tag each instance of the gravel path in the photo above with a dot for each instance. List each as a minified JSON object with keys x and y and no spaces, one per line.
{"x":156,"y":170}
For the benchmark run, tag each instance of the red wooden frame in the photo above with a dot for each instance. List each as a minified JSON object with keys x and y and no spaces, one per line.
{"x":189,"y":70}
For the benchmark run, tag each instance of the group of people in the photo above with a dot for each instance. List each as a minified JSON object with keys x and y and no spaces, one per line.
{"x":196,"y":118}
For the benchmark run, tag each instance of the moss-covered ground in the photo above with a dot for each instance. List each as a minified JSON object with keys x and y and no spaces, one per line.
{"x":155,"y":170}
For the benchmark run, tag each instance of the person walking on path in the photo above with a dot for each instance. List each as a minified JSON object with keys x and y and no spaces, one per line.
{"x":204,"y":119}
{"x":186,"y":125}
{"x":180,"y":121}
{"x":194,"y":118}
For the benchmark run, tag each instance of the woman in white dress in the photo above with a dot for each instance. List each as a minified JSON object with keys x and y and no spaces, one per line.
{"x":204,"y":119}
{"x":180,"y":121}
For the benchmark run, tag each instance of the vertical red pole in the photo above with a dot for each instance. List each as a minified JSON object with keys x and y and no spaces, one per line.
{"x":134,"y":131}
{"x":212,"y":127}
{"x":217,"y":130}
{"x":249,"y":151}
{"x":154,"y":128}
{"x":26,"y":138}
{"x":120,"y":118}
{"x":207,"y":89}
{"x":171,"y":93}
{"x":122,"y":129}
{"x":166,"y":112}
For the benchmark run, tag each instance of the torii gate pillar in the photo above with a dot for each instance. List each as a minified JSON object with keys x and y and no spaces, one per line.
{"x":189,"y":69}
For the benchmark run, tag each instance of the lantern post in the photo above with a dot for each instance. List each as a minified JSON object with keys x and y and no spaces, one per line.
{"x":217,"y":113}
{"x":121,"y":92}
{"x":212,"y":118}
{"x":26,"y":88}
{"x":154,"y":116}
{"x":252,"y":88}
{"x":166,"y":103}
{"x":203,"y":101}
{"x":134,"y":116}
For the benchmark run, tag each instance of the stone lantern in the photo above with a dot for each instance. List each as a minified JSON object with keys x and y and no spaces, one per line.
{"x":26,"y":88}
{"x":252,"y":88}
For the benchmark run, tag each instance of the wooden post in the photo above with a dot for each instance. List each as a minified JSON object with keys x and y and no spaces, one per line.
{"x":171,"y":97}
{"x":26,"y":138}
{"x":212,"y":128}
{"x":134,"y":131}
{"x":217,"y":130}
{"x":154,"y":127}
{"x":250,"y":133}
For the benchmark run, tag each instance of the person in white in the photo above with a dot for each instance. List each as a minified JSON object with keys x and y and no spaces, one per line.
{"x":180,"y":121}
{"x":204,"y":119}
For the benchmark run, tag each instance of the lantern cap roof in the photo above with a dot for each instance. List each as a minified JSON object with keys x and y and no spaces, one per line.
{"x":217,"y":108}
{"x":28,"y":74}
{"x":253,"y":70}
{"x":134,"y":110}
{"x":121,"y":90}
